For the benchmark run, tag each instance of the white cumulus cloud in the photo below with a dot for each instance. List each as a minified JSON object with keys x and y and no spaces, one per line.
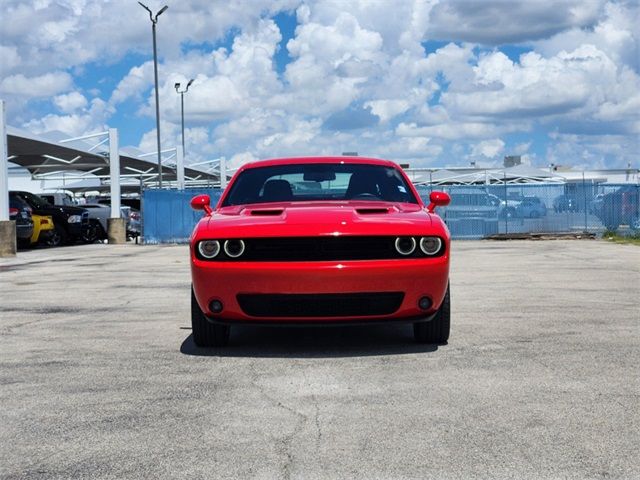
{"x":70,"y":102}
{"x":46,"y":85}
{"x":419,"y":81}
{"x":488,"y":148}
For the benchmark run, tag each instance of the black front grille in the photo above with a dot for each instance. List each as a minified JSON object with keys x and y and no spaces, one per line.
{"x":320,"y":304}
{"x":319,"y":248}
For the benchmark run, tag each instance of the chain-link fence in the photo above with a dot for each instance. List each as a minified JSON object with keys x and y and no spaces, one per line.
{"x":167,"y":214}
{"x":479,"y":211}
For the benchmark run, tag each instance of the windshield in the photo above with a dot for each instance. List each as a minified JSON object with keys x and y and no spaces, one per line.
{"x":34,"y":200}
{"x":313,"y":182}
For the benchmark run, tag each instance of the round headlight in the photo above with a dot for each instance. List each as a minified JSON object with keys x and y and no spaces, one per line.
{"x":430,"y":245}
{"x":209,"y":248}
{"x":405,"y":245}
{"x":234,"y":248}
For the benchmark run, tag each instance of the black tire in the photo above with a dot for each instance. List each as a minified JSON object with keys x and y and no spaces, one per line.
{"x":58,"y":237}
{"x":91,"y":233}
{"x":437,"y":329}
{"x":206,"y":333}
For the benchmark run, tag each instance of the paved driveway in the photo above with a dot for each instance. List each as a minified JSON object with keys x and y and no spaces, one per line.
{"x":100,"y":377}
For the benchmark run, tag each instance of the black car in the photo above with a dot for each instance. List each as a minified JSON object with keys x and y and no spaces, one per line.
{"x":472,"y":213}
{"x":71,"y":223}
{"x":621,"y":207}
{"x":565,"y":203}
{"x":20,"y":212}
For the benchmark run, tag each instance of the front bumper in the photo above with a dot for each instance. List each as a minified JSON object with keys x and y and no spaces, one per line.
{"x":81,"y":229}
{"x":414,"y":278}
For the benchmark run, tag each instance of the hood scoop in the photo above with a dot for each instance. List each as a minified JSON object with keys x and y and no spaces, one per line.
{"x":266,"y":212}
{"x":372,"y":210}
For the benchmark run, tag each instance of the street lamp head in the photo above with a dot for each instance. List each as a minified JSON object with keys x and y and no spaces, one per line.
{"x":189,"y":84}
{"x":161,"y":10}
{"x":177,"y":85}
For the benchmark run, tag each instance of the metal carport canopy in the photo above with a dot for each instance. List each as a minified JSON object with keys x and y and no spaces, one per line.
{"x":42,"y":156}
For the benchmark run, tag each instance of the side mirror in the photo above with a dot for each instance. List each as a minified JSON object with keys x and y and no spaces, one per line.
{"x":438,"y":199}
{"x":202,"y":202}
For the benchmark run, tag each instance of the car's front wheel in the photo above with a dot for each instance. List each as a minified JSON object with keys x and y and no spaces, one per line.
{"x":91,"y":233}
{"x":437,"y":329}
{"x":206,"y":333}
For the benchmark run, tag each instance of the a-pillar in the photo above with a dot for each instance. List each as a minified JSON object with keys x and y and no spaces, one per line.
{"x":223,"y":173}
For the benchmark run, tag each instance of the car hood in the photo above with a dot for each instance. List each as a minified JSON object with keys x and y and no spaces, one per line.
{"x":317,"y":218}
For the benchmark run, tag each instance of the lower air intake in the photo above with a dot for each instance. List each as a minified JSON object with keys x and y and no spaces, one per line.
{"x":320,"y":305}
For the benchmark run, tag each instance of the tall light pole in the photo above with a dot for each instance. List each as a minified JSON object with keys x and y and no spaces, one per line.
{"x":154,"y":20}
{"x":182,"y":92}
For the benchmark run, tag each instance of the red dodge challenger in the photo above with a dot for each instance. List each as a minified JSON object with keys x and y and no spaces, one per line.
{"x":320,"y":240}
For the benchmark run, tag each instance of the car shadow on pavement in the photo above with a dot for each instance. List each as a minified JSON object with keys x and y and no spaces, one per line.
{"x":314,"y":342}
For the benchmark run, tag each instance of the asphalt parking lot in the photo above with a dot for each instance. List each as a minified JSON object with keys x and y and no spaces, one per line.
{"x":100,"y":377}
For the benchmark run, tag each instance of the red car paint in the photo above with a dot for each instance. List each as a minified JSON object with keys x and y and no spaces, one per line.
{"x":225,"y":280}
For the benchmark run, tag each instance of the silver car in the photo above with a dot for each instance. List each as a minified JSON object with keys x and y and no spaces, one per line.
{"x":98,"y":216}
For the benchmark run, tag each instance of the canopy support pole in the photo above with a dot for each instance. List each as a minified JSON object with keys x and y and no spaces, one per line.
{"x":116,"y":226}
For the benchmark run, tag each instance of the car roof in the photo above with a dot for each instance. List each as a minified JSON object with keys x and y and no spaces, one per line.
{"x":301,"y":160}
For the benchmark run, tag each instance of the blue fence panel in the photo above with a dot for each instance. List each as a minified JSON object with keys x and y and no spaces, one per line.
{"x":476,"y":211}
{"x":167,"y":214}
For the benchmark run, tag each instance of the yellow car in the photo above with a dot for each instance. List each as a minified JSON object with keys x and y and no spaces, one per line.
{"x":42,"y":228}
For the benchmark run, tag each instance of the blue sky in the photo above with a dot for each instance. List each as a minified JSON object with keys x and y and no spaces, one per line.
{"x":425,"y":82}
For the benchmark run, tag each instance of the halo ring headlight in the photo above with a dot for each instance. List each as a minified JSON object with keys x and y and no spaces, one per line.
{"x":405,"y":245}
{"x":430,"y":245}
{"x":209,"y":248}
{"x":234,"y":248}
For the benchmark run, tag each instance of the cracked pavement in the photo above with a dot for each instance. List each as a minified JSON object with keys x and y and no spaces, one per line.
{"x":100,"y":377}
